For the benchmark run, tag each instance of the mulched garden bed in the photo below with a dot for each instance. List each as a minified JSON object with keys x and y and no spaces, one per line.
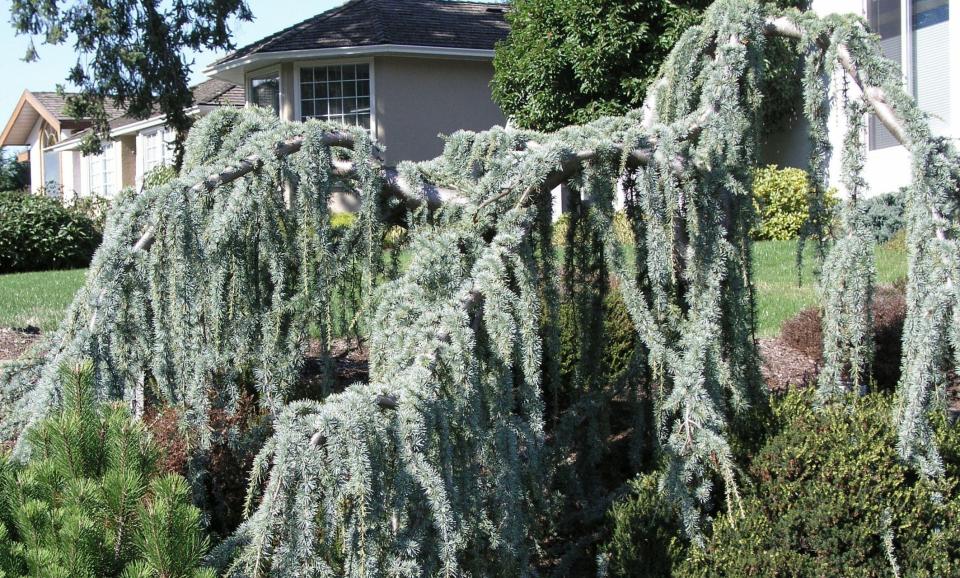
{"x":14,"y":342}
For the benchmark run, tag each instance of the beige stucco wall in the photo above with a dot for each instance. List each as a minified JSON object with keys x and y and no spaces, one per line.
{"x":128,"y":160}
{"x":418,"y":98}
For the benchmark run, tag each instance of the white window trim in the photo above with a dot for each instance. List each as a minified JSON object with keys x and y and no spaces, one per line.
{"x":335,"y":62}
{"x":108,"y":167}
{"x":907,"y":58}
{"x":263,"y":74}
{"x":143,"y":141}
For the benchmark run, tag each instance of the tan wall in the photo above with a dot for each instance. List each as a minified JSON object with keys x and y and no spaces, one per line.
{"x":128,"y":160}
{"x":416,"y":99}
{"x":287,"y":110}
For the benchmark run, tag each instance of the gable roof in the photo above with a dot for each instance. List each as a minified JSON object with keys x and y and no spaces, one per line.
{"x":51,"y":107}
{"x":363,"y":23}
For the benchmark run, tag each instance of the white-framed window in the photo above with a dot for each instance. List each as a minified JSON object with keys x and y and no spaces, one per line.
{"x":263,"y":89}
{"x":915,"y":34}
{"x":101,"y":175}
{"x":157,"y":149}
{"x":340,"y":92}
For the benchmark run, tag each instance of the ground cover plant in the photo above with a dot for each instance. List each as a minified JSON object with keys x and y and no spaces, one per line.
{"x":479,"y":435}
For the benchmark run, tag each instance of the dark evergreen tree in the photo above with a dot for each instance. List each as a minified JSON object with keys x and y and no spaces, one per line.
{"x":130,"y":52}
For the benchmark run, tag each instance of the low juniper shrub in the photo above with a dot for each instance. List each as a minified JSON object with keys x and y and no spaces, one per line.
{"x":885,"y":214}
{"x":830,"y":496}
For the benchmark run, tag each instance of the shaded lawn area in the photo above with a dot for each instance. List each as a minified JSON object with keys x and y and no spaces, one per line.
{"x":37,"y":299}
{"x":40,"y":299}
{"x":779,"y":297}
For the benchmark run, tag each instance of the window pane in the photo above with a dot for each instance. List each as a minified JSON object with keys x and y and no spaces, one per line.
{"x":337,"y":94}
{"x":931,"y":61}
{"x":265,"y":92}
{"x":306,"y":75}
{"x":885,"y":20}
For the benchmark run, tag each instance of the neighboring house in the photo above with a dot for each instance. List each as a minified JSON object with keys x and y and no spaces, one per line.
{"x":408,"y":70}
{"x":39,"y":122}
{"x":923,"y":37}
{"x":135,"y":146}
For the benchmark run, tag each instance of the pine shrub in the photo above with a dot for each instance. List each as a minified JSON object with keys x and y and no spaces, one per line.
{"x":37,"y":233}
{"x":831,"y":496}
{"x":90,"y":501}
{"x":646,"y":540}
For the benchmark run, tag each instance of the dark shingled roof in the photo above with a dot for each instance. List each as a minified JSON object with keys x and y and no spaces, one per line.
{"x":218,"y":92}
{"x":432,"y":23}
{"x":209,"y":92}
{"x":56,"y":104}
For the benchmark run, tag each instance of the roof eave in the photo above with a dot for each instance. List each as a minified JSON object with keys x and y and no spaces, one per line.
{"x":73,"y":143}
{"x":27,"y":98}
{"x":223,"y":69}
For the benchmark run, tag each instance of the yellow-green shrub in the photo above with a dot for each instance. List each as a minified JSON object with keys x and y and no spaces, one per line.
{"x":782,"y":198}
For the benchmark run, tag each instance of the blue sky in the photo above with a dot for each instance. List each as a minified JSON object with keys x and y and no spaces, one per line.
{"x":55,"y":61}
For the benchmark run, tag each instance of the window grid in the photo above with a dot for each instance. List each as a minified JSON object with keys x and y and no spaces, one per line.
{"x":336,"y":93}
{"x":156,"y":151}
{"x":101,"y":174}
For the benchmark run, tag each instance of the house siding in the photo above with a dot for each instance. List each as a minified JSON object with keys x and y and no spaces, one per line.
{"x":885,"y":169}
{"x":128,"y":160}
{"x":419,"y":98}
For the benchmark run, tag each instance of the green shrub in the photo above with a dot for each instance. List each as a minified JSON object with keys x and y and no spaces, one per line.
{"x":14,"y":175}
{"x":90,"y":503}
{"x":885,"y":215}
{"x":645,"y":540}
{"x":782,"y":198}
{"x":621,"y":228}
{"x":94,"y":208}
{"x":38,"y":233}
{"x":829,"y":491}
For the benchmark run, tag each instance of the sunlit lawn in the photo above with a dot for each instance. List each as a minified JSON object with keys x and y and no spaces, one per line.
{"x":37,"y":299}
{"x":40,"y":299}
{"x":780,"y":296}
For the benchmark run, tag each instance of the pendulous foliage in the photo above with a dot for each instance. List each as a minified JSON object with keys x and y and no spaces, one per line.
{"x":473,"y":440}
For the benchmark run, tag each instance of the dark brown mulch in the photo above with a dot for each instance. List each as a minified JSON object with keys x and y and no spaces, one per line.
{"x":350,"y":365}
{"x":784,"y":366}
{"x":13,"y":342}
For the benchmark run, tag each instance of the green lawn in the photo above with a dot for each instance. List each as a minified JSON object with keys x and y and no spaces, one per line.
{"x":40,"y":298}
{"x":37,"y":299}
{"x":779,"y":297}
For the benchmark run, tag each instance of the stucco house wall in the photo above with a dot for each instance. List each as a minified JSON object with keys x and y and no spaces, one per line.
{"x":423,"y":98}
